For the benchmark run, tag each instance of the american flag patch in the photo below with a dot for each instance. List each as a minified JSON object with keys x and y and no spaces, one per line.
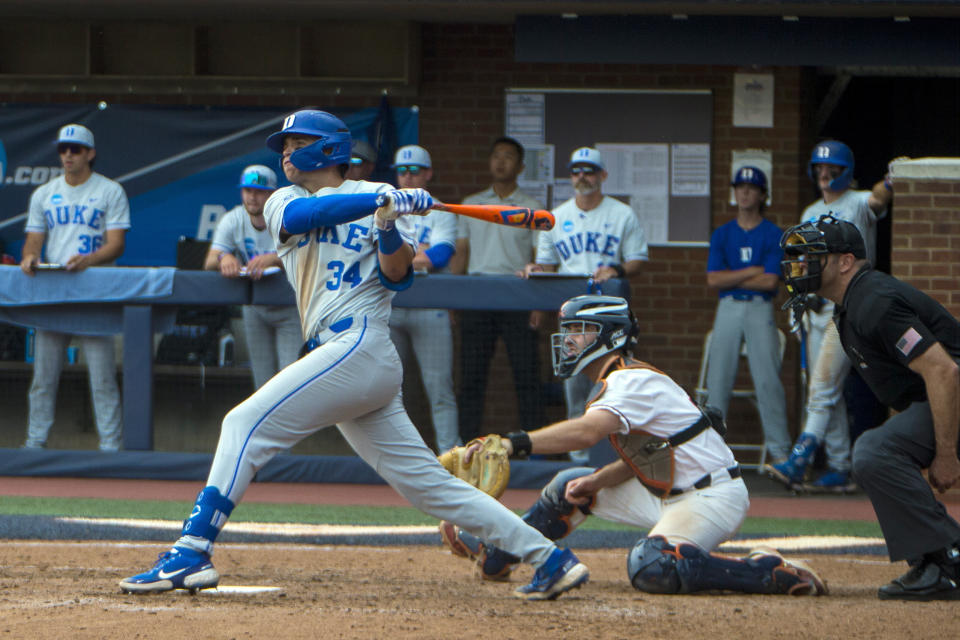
{"x":908,"y":341}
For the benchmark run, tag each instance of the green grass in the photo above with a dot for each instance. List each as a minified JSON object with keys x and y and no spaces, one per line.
{"x":364,"y":515}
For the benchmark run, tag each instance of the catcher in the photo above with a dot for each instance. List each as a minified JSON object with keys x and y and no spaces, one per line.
{"x":675,"y":476}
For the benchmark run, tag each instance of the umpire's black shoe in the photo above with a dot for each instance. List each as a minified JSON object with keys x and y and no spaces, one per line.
{"x":923,"y":582}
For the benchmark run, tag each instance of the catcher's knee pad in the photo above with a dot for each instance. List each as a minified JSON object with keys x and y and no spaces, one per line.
{"x":551,"y":514}
{"x":210,"y":513}
{"x":652,"y":566}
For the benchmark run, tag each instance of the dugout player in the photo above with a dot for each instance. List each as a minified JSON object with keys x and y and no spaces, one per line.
{"x":425,"y":334}
{"x":906,"y":347}
{"x":831,"y":168}
{"x":675,"y":476}
{"x":78,"y":219}
{"x":484,"y":248}
{"x":744,"y":267}
{"x":242,"y":240}
{"x":346,"y":249}
{"x":363,"y":160}
{"x":594,"y":234}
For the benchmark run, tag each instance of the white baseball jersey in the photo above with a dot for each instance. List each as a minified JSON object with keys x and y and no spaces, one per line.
{"x":436,"y":228}
{"x":235,"y":233}
{"x":581,"y":241}
{"x":650,"y":401}
{"x":851,"y":206}
{"x":496,"y":248}
{"x":334,"y":271}
{"x":76,"y":219}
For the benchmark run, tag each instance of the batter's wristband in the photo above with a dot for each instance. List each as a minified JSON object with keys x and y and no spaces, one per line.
{"x":520,"y":441}
{"x":390,"y":240}
{"x":619,"y":269}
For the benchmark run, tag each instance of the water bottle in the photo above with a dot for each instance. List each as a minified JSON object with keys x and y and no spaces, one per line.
{"x":28,"y":345}
{"x":226,"y":350}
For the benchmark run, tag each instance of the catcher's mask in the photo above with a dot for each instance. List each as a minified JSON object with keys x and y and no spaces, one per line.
{"x":591,"y":326}
{"x":806,"y":247}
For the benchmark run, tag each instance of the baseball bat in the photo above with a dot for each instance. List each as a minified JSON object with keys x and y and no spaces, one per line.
{"x":502,"y":214}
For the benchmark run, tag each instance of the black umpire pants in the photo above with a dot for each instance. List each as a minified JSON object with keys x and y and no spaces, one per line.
{"x":479,"y":331}
{"x":887,"y":463}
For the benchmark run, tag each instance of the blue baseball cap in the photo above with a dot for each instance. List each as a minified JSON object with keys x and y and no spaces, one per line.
{"x":750,"y":175}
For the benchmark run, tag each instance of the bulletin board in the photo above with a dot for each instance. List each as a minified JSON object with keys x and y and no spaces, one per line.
{"x":656,"y":145}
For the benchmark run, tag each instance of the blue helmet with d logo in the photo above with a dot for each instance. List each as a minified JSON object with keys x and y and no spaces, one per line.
{"x":835,"y":153}
{"x":332,"y":148}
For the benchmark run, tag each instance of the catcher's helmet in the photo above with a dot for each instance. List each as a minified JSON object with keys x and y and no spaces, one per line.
{"x":805,"y":244}
{"x":591,"y":326}
{"x":750,"y":175}
{"x":332,"y":148}
{"x":835,"y":153}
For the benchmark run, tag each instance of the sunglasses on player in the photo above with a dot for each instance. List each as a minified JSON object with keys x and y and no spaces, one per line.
{"x":75,"y":149}
{"x":412,"y":170}
{"x":587,"y":171}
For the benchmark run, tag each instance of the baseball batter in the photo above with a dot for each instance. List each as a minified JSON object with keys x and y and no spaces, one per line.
{"x":346,"y":248}
{"x":425,"y":334}
{"x":744,"y":267}
{"x":594,"y":234}
{"x":831,"y":168}
{"x":675,"y":476}
{"x":78,"y":219}
{"x":242,"y":240}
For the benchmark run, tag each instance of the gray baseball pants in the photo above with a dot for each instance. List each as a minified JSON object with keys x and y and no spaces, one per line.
{"x":826,"y":409}
{"x":49,"y":353}
{"x":887,"y":464}
{"x":274,"y":338}
{"x":751,"y":321}
{"x":425,"y":335}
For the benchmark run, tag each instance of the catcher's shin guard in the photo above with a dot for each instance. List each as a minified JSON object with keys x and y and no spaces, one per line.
{"x":656,"y":566}
{"x":551,"y":514}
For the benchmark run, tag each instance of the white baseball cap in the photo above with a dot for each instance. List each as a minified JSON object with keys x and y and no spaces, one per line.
{"x":364,"y":151}
{"x":257,"y":176}
{"x":412,"y":154}
{"x":586,"y":155}
{"x":75,"y":134}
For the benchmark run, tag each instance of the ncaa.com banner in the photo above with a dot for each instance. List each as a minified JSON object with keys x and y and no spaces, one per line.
{"x":179,"y":165}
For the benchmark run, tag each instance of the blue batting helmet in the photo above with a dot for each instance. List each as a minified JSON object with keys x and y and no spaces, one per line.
{"x":835,"y":153}
{"x":750,"y":175}
{"x":332,"y":148}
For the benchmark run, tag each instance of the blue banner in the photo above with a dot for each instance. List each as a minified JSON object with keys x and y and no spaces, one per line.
{"x":179,"y":165}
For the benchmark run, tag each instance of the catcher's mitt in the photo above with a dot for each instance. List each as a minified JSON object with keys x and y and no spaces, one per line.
{"x":489,"y":468}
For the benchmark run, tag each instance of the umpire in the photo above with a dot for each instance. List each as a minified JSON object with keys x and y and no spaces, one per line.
{"x":906,"y":347}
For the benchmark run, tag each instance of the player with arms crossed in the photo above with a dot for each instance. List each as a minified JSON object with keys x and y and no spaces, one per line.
{"x":675,"y":476}
{"x":345,"y":249}
{"x":83,"y":217}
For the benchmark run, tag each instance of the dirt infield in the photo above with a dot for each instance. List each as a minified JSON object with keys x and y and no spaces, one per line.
{"x":63,"y":589}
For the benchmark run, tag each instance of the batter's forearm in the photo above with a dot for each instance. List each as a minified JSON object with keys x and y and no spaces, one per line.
{"x":303,"y":214}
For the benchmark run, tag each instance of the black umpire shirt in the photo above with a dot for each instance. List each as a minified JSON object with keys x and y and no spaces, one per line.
{"x":883,"y":325}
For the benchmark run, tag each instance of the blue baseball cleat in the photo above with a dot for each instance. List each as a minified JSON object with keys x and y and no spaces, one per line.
{"x":179,"y":568}
{"x":560,"y":573}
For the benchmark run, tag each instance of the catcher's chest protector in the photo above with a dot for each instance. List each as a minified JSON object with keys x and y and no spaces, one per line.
{"x":649,"y":456}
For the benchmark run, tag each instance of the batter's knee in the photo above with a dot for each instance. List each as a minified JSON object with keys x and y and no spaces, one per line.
{"x":652,"y":566}
{"x":551,"y":514}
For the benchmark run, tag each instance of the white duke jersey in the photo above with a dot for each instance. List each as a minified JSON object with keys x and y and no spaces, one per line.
{"x":650,"y":401}
{"x":334,"y":271}
{"x":76,"y":219}
{"x":582,"y":241}
{"x":235,"y":233}
{"x":436,"y":228}
{"x":851,"y":206}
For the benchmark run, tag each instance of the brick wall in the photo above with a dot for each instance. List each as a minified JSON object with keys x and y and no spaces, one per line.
{"x":465,"y":69}
{"x":926,"y":228}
